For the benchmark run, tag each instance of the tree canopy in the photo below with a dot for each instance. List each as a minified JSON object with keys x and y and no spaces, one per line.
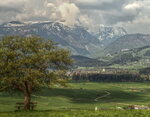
{"x":26,"y":63}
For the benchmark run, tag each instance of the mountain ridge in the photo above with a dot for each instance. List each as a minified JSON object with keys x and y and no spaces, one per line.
{"x":128,"y":42}
{"x":79,"y":40}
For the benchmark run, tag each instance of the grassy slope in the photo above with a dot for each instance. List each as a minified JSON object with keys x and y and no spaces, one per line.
{"x":82,"y":95}
{"x":131,"y":62}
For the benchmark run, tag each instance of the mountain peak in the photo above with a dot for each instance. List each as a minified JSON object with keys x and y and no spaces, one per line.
{"x":108,"y":34}
{"x":16,"y":22}
{"x":13,"y":23}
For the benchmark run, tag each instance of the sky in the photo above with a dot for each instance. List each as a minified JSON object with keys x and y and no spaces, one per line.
{"x":133,"y":15}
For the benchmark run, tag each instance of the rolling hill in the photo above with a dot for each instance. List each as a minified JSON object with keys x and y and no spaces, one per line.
{"x":139,"y":56}
{"x":83,"y":61}
{"x":128,"y":42}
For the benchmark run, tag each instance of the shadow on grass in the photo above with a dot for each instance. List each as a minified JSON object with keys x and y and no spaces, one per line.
{"x":88,"y":96}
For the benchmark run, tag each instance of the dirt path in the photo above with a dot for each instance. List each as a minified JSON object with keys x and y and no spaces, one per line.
{"x":107,"y":94}
{"x":124,"y":104}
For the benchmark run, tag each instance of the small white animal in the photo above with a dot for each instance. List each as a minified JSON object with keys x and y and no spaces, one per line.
{"x":96,"y":108}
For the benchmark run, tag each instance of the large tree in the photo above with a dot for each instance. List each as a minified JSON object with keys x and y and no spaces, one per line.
{"x":27,"y":63}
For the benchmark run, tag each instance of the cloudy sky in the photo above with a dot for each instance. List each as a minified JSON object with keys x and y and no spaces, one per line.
{"x":133,"y":15}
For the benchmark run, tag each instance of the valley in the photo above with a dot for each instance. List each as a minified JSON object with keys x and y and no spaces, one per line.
{"x":74,"y":58}
{"x":109,"y":72}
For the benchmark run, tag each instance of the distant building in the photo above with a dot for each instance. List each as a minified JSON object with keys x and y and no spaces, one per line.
{"x":124,"y":50}
{"x":104,"y":70}
{"x":137,"y":107}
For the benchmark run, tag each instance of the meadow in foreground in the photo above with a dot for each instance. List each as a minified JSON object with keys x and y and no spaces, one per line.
{"x":103,"y":113}
{"x":82,"y":96}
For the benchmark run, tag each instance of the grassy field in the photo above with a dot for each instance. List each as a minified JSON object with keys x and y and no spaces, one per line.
{"x":104,"y":113}
{"x":84,"y":96}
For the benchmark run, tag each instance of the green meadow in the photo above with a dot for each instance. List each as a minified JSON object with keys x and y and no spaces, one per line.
{"x":83,"y":96}
{"x":83,"y":113}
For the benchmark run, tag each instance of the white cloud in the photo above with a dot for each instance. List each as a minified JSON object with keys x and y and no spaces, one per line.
{"x":133,"y":6}
{"x":86,"y":21}
{"x":86,"y":1}
{"x":60,"y":10}
{"x":69,"y":13}
{"x":11,"y":2}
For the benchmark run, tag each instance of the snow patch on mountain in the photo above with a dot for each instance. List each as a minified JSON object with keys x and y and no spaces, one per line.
{"x":107,"y":34}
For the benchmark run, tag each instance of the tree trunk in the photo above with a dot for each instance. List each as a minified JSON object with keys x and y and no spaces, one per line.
{"x":27,"y":100}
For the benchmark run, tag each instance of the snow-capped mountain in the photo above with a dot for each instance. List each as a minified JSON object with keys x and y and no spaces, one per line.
{"x":108,"y":34}
{"x":77,"y":39}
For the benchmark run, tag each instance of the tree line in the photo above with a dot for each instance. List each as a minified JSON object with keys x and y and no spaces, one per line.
{"x":109,"y":77}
